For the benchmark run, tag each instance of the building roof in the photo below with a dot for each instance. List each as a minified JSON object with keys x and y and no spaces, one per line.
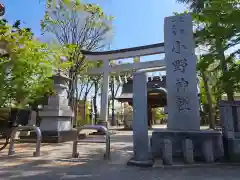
{"x":151,"y":92}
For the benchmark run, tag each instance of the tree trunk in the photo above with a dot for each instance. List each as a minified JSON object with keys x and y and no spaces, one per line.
{"x":95,"y":102}
{"x":209,"y":100}
{"x":228,"y":86}
{"x":75,"y":103}
{"x":108,"y":106}
{"x":84,"y":109}
{"x":113,"y":121}
{"x":71,"y":101}
{"x":70,"y":88}
{"x":125,"y":116}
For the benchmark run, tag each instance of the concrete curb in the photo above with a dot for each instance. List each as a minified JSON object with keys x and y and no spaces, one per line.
{"x":197,"y":165}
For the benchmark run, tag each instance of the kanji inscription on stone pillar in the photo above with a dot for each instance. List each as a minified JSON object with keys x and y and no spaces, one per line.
{"x":182,"y":97}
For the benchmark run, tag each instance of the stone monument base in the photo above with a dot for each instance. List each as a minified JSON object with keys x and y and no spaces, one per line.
{"x":198,"y":139}
{"x":232,"y":149}
{"x":52,"y":136}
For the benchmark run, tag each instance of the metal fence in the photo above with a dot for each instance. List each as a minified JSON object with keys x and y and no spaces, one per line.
{"x":75,"y":154}
{"x":21,"y":128}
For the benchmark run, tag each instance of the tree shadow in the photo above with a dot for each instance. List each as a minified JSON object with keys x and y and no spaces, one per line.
{"x":88,"y":166}
{"x":93,"y":166}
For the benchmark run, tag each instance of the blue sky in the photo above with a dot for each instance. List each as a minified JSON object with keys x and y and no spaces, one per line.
{"x":136,"y":22}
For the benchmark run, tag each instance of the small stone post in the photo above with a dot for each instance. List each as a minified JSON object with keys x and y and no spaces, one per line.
{"x":188,"y":151}
{"x":167,"y":152}
{"x":208,"y":151}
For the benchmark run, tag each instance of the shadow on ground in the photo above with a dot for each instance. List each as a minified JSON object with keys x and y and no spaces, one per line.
{"x":90,"y":164}
{"x":56,"y":163}
{"x":86,"y":166}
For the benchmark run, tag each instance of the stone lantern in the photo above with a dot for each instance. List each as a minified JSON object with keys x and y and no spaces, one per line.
{"x":56,"y":123}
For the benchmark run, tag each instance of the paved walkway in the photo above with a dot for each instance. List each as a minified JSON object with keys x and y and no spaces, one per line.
{"x":56,"y":163}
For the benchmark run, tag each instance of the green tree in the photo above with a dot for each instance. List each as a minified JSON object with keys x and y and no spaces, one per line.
{"x":25,"y":67}
{"x":82,"y":26}
{"x":194,"y":5}
{"x":217,"y":31}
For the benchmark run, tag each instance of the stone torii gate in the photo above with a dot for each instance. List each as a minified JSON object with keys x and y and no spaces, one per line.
{"x":107,"y":56}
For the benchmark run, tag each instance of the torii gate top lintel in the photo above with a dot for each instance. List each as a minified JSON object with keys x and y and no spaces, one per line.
{"x":125,"y":53}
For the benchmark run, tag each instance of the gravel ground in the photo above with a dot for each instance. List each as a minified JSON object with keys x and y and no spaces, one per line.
{"x":56,"y":163}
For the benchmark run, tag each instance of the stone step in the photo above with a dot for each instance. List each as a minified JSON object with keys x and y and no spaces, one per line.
{"x":180,"y":164}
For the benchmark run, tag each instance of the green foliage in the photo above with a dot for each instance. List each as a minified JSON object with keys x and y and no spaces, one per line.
{"x":194,"y":5}
{"x":159,"y":113}
{"x":67,"y":19}
{"x":78,"y":26}
{"x":26,"y":67}
{"x":217,"y":36}
{"x":218,"y":31}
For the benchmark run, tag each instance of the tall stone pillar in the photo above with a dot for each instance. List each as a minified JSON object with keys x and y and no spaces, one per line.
{"x":140,"y":122}
{"x":103,"y":119}
{"x":183,"y":121}
{"x":181,"y":82}
{"x":56,"y":125}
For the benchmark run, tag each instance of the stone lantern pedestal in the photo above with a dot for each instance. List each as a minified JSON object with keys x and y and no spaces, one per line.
{"x":56,"y":124}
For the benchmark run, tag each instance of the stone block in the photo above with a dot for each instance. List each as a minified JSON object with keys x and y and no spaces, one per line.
{"x":177,"y":137}
{"x":219,"y":150}
{"x":232,"y":150}
{"x":227,"y":122}
{"x":55,"y":124}
{"x":238,"y":117}
{"x":208,"y":151}
{"x":58,"y":101}
{"x":188,"y":151}
{"x":236,"y":146}
{"x":47,"y":112}
{"x":167,"y":152}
